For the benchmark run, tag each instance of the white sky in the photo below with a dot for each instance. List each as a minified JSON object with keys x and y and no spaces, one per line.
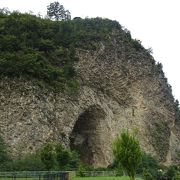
{"x":155,"y":22}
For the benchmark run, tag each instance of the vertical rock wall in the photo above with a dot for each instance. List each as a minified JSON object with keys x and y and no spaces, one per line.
{"x":120,"y":88}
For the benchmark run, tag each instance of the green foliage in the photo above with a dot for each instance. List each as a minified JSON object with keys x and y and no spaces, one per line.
{"x":29,"y":162}
{"x":56,"y":11}
{"x":52,"y":156}
{"x":147,"y":175}
{"x":28,"y":47}
{"x":103,"y":178}
{"x":4,"y":11}
{"x":48,"y":156}
{"x":136,"y":44}
{"x":171,"y":172}
{"x":46,"y":50}
{"x":127,"y":152}
{"x":3,"y":154}
{"x":81,"y":171}
{"x":150,"y":169}
{"x":66,"y":159}
{"x":119,"y":172}
{"x":148,"y":166}
{"x":56,"y":157}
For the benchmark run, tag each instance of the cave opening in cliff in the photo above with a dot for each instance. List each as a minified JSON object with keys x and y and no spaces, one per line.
{"x":87,"y":133}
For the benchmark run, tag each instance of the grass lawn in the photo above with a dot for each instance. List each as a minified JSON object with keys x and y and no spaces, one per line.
{"x":79,"y":178}
{"x":102,"y":178}
{"x":2,"y":178}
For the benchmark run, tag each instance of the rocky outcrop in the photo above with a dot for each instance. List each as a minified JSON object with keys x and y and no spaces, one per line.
{"x":120,"y":88}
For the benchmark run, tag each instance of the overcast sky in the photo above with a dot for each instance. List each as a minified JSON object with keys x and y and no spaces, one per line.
{"x":155,"y":22}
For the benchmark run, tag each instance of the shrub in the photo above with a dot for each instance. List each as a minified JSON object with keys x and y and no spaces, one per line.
{"x":147,"y":175}
{"x":29,"y":162}
{"x":149,"y":165}
{"x":56,"y":157}
{"x":127,"y":152}
{"x":66,"y":159}
{"x":81,"y":171}
{"x":4,"y":157}
{"x":171,"y":172}
{"x":48,"y":156}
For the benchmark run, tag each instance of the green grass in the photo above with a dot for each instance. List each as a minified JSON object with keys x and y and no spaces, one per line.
{"x":79,"y":178}
{"x":102,"y":178}
{"x":2,"y":178}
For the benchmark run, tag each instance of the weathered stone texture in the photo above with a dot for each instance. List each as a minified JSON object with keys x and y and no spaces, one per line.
{"x":120,"y":88}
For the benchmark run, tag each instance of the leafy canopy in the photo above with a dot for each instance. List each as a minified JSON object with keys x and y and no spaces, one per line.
{"x":56,"y":11}
{"x":55,"y":156}
{"x":127,"y":152}
{"x":45,"y":50}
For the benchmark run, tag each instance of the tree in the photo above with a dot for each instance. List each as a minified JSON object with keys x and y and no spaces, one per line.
{"x":62,"y":155}
{"x":66,"y":158}
{"x":54,"y":156}
{"x":4,"y":10}
{"x":127,"y":153}
{"x":56,"y":11}
{"x":48,"y":156}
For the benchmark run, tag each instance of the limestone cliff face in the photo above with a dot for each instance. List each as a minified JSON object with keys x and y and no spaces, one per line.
{"x":120,"y":88}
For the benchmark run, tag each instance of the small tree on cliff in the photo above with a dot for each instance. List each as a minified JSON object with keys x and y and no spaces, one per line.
{"x":127,"y":153}
{"x":56,"y":11}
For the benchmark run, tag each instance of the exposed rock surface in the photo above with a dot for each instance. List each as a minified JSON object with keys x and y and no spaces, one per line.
{"x":120,"y":87}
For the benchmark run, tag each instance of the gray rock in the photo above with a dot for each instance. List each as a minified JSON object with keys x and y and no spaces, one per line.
{"x":120,"y":88}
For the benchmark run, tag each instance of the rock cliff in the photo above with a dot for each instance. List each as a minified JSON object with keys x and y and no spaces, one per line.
{"x":120,"y":88}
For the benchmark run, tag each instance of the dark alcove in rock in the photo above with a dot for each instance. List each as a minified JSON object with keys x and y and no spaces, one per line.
{"x":87,"y":135}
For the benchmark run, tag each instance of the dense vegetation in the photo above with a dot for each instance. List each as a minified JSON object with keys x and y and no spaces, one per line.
{"x":53,"y":156}
{"x":103,"y":178}
{"x":46,"y":50}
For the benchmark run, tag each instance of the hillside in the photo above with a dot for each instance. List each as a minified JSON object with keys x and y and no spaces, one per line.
{"x":81,"y":82}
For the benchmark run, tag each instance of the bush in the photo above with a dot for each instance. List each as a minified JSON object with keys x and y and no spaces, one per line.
{"x":177,"y":176}
{"x":81,"y":171}
{"x":29,"y":162}
{"x":150,"y":169}
{"x":147,"y":175}
{"x":4,"y":157}
{"x":83,"y":168}
{"x":148,"y":166}
{"x":56,"y":157}
{"x":67,"y":159}
{"x":48,"y":156}
{"x":52,"y":156}
{"x":171,"y":172}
